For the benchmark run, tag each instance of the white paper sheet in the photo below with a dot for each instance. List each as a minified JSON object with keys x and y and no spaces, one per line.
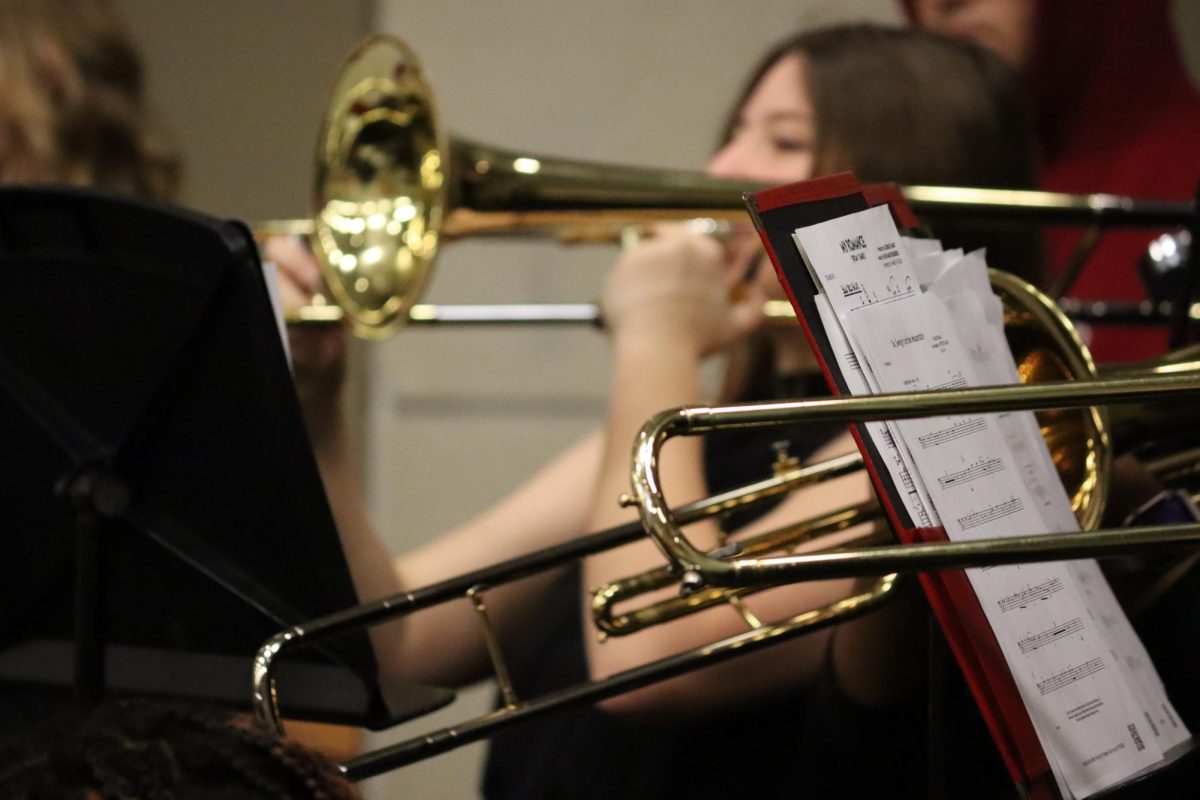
{"x":1096,"y":701}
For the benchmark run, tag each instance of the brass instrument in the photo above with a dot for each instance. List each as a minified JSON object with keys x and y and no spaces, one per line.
{"x":1045,"y":348}
{"x":391,"y":185}
{"x":472,"y":587}
{"x":1078,"y":437}
{"x":1089,"y":465}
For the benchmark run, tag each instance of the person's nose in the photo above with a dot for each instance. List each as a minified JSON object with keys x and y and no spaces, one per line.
{"x":730,"y":161}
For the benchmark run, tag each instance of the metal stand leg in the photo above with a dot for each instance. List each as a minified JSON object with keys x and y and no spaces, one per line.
{"x":95,"y":497}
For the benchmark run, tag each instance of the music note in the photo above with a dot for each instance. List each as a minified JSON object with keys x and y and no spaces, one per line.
{"x":1068,"y":676}
{"x":963,"y":427}
{"x":979,"y":469}
{"x":1023,"y":598}
{"x":992,"y":513}
{"x":1028,"y":644}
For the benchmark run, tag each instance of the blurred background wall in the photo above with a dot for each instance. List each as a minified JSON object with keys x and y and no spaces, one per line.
{"x":452,"y":420}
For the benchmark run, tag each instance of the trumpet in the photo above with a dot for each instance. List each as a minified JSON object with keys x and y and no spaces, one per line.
{"x":1079,"y":439}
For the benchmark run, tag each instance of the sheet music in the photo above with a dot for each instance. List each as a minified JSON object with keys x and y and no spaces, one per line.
{"x":915,"y":500}
{"x":873,"y":270}
{"x":1094,"y":698}
{"x":1074,"y":682}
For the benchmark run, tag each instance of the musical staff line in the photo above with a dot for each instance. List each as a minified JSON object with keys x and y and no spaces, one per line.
{"x":1041,"y":591}
{"x":991,"y":513}
{"x":964,"y":427}
{"x":1070,"y":675}
{"x":981,"y":468}
{"x":957,"y":382}
{"x":1028,"y":644}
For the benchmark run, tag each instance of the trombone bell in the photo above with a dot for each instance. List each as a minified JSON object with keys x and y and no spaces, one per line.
{"x":380,"y":188}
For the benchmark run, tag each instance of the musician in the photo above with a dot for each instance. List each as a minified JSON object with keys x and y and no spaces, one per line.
{"x":1115,"y":111}
{"x":891,"y":105}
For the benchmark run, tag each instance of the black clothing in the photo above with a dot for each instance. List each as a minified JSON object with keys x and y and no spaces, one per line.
{"x":810,"y":743}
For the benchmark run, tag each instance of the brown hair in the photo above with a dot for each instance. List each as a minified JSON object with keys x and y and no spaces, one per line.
{"x":910,"y":106}
{"x":73,"y":106}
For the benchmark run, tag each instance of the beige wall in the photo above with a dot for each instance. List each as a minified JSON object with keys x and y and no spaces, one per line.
{"x":242,"y":86}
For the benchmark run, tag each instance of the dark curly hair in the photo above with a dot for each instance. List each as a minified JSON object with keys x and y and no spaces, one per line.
{"x":74,"y":107}
{"x":164,"y":751}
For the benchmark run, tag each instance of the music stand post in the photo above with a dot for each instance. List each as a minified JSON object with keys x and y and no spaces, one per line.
{"x":94,"y":496}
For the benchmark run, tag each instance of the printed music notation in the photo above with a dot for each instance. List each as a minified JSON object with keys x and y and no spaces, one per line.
{"x":979,"y":469}
{"x":858,"y":296}
{"x":851,"y":359}
{"x":1068,"y":676}
{"x":957,"y":381}
{"x":1028,"y":644}
{"x":1021,"y":599}
{"x":964,"y":427}
{"x":1013,"y":505}
{"x":944,"y":336}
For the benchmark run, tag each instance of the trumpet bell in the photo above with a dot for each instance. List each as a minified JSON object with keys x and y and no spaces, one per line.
{"x":380,"y":186}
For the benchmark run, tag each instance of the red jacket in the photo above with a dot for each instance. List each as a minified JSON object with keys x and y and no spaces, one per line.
{"x":1115,"y":111}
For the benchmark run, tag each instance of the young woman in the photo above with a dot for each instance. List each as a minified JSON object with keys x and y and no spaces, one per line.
{"x":889,"y":104}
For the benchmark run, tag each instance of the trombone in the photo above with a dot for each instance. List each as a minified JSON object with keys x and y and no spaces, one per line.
{"x":391,"y":185}
{"x":731,"y":565}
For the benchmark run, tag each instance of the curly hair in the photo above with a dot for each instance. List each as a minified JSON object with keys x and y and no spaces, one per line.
{"x":164,"y":751}
{"x":74,"y":108}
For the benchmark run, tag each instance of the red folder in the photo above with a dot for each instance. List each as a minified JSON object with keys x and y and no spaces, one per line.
{"x":777,"y":212}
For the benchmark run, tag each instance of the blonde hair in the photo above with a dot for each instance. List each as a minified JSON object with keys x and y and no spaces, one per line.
{"x":72,"y":105}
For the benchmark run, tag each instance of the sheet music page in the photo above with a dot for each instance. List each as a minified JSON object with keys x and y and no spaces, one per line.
{"x":1094,"y":698}
{"x":1076,"y":688}
{"x":965,"y":288}
{"x":915,"y":501}
{"x":872,"y":270}
{"x":929,"y":267}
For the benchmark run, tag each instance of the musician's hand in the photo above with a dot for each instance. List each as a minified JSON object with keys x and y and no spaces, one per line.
{"x":680,"y":290}
{"x":318,"y":352}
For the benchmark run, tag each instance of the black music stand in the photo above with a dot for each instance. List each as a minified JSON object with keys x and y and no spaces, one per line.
{"x":156,"y":459}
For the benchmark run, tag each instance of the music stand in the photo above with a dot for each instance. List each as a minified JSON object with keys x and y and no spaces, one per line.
{"x":149,"y":418}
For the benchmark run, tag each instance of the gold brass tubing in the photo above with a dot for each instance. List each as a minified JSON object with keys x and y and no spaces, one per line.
{"x":700,"y":568}
{"x":449,"y":738}
{"x":752,"y":621}
{"x":775,"y":311}
{"x":605,"y":598}
{"x":1046,"y":207}
{"x":266,"y":693}
{"x":493,"y":647}
{"x":679,"y":606}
